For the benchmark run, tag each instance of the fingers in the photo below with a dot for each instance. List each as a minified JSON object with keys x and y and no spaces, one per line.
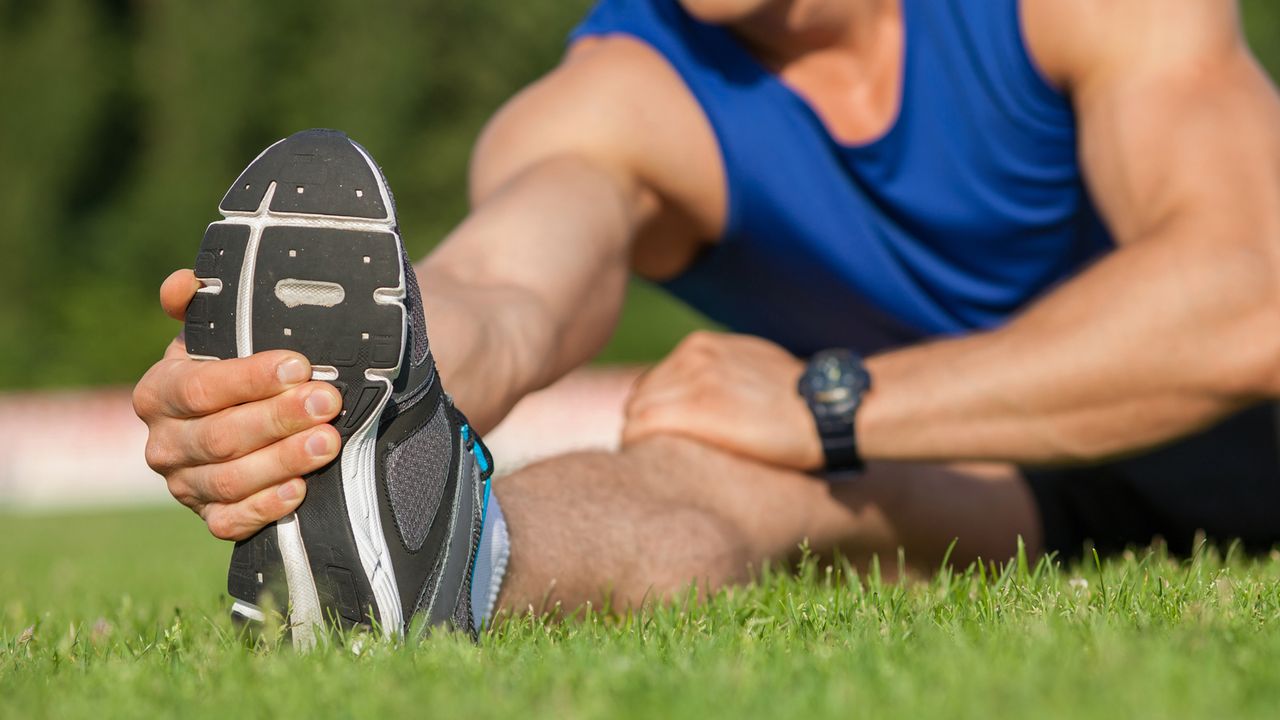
{"x":658,"y":392}
{"x":240,"y":430}
{"x":240,"y":520}
{"x":179,"y":388}
{"x":234,"y":437}
{"x":661,"y":403}
{"x":176,"y":292}
{"x":670,"y":383}
{"x":663,"y":419}
{"x":235,"y":480}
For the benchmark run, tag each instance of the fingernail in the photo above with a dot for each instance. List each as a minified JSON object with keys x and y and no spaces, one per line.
{"x":293,"y":371}
{"x":289,"y":490}
{"x":320,"y":404}
{"x":319,"y":444}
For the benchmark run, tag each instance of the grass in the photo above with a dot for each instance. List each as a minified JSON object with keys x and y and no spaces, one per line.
{"x":123,"y":614}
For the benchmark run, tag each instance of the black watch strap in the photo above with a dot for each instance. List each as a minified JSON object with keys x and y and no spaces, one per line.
{"x":833,"y":385}
{"x":841,"y":451}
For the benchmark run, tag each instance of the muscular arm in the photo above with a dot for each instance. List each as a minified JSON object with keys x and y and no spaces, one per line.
{"x":1178,"y":327}
{"x":530,"y":286}
{"x":531,"y":283}
{"x":1180,"y":141}
{"x":577,"y":180}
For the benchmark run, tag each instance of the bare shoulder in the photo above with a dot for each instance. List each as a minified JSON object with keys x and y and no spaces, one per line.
{"x":1078,"y":42}
{"x":616,"y":101}
{"x":1167,"y":94}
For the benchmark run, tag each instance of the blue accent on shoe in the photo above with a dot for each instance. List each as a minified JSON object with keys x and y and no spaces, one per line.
{"x":483,"y":462}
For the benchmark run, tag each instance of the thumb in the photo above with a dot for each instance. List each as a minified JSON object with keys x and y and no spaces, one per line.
{"x":176,"y":292}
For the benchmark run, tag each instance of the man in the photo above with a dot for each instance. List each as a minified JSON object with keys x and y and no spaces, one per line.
{"x":1052,"y":229}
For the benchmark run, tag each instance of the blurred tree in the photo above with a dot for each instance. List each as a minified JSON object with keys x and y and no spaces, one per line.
{"x":125,"y":120}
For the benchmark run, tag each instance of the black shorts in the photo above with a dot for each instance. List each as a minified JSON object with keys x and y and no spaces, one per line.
{"x":1224,"y":481}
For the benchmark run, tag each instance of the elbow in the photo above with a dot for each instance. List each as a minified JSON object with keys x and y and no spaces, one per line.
{"x":1234,"y":313}
{"x":1251,"y":370}
{"x":1265,"y":372}
{"x":1264,"y":333}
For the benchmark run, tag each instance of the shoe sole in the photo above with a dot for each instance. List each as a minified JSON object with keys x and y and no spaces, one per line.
{"x":308,"y":258}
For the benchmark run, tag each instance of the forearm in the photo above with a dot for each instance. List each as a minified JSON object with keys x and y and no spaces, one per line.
{"x":529,"y":286}
{"x":1160,"y":338}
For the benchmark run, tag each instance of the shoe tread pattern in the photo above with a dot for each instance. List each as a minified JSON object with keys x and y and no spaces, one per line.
{"x":317,"y":172}
{"x":353,"y":336}
{"x":210,"y":327}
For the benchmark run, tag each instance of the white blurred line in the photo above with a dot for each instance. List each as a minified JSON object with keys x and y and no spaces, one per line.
{"x":84,"y":449}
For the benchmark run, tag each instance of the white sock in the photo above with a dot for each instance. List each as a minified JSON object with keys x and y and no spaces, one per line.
{"x":491,"y":562}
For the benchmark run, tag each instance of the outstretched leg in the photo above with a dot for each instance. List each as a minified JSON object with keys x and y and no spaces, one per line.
{"x":645,"y":522}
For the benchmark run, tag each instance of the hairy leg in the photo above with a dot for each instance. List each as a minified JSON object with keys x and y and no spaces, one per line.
{"x":645,"y":522}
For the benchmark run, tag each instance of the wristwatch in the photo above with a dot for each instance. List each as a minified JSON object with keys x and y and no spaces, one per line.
{"x":833,"y":385}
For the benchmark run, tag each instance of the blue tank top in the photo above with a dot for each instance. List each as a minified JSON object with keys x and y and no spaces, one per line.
{"x":968,"y":207}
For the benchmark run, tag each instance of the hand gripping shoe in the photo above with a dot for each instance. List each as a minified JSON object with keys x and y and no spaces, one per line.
{"x":309,"y":258}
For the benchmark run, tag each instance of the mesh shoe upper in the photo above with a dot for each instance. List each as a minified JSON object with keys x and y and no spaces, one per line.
{"x":417,"y":472}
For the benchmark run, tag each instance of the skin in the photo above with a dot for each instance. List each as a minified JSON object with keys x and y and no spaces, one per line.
{"x":607,"y":164}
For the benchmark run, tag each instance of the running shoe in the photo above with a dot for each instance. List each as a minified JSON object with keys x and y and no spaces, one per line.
{"x":309,"y":258}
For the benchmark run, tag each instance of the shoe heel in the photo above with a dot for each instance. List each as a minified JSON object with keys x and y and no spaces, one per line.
{"x":255,"y":577}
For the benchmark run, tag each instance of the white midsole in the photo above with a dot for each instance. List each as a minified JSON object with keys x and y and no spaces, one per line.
{"x":359,"y":488}
{"x":304,"y":601}
{"x":359,"y":457}
{"x":248,"y":611}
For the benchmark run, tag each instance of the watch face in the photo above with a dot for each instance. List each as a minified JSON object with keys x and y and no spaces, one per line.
{"x":833,"y":384}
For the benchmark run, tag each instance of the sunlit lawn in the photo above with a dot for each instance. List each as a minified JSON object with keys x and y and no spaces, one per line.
{"x":123,"y":614}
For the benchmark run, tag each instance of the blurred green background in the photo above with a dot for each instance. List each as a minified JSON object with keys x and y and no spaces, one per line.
{"x":124,"y":121}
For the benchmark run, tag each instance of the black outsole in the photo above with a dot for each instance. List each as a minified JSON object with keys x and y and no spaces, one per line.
{"x":314,"y":173}
{"x":211,"y":318}
{"x":317,"y":172}
{"x":354,"y":336}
